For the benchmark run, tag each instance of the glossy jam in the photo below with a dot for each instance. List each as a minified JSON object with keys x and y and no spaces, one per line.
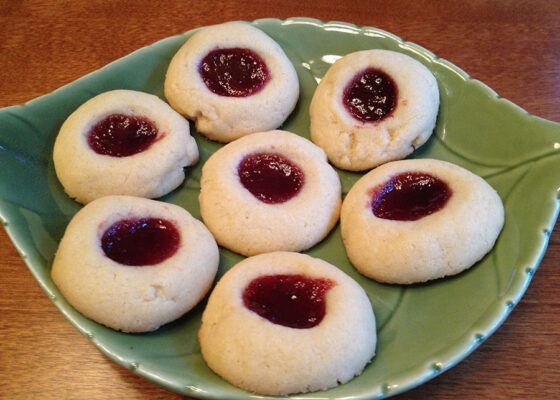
{"x":121,"y":135}
{"x":234,"y":72}
{"x":370,"y":96}
{"x":146,"y":241}
{"x":270,"y":177}
{"x":409,"y":196}
{"x":295,"y":301}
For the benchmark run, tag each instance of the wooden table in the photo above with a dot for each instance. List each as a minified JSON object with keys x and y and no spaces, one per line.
{"x":514,"y":47}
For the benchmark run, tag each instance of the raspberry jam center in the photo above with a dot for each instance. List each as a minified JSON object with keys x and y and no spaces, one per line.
{"x":270,"y":177}
{"x":295,"y":301}
{"x":370,"y":96}
{"x":146,"y":241}
{"x":120,"y":135}
{"x":234,"y":72}
{"x":409,"y":196}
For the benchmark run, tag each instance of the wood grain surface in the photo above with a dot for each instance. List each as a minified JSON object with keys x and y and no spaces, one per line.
{"x":512,"y":46}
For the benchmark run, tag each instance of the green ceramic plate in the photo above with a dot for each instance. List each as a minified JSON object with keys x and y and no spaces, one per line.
{"x":423,"y":329}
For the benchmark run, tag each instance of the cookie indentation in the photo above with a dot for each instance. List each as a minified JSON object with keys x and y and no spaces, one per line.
{"x":295,"y":301}
{"x":409,"y":196}
{"x":137,"y":242}
{"x":120,"y":135}
{"x":371,"y":96}
{"x":234,"y":72}
{"x":270,"y":177}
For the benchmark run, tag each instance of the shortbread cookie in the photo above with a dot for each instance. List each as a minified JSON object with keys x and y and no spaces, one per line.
{"x":232,"y":79}
{"x":134,"y":264}
{"x":281,"y":323}
{"x":372,"y":107}
{"x":269,"y":191}
{"x":415,"y":220}
{"x":123,"y":142}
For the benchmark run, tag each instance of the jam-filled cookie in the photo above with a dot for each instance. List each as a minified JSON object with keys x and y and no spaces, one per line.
{"x":232,"y":79}
{"x":123,"y":142}
{"x":415,"y":220}
{"x":134,"y":264}
{"x":269,"y":191}
{"x":373,"y":106}
{"x":282,"y":322}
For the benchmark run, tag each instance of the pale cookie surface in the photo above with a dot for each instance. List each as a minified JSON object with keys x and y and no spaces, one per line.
{"x":443,"y":243}
{"x":133,"y":298}
{"x":244,"y":224}
{"x":352,"y":144}
{"x":224,"y":118}
{"x":257,"y":355}
{"x":87,"y":175}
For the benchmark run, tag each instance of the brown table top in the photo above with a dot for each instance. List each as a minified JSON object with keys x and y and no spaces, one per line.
{"x":514,"y":47}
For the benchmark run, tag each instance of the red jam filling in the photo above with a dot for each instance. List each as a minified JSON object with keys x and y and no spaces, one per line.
{"x":121,"y":135}
{"x":234,"y":72}
{"x":270,"y":177}
{"x":409,"y":196}
{"x":370,"y":96}
{"x":295,"y":301}
{"x":146,"y":241}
